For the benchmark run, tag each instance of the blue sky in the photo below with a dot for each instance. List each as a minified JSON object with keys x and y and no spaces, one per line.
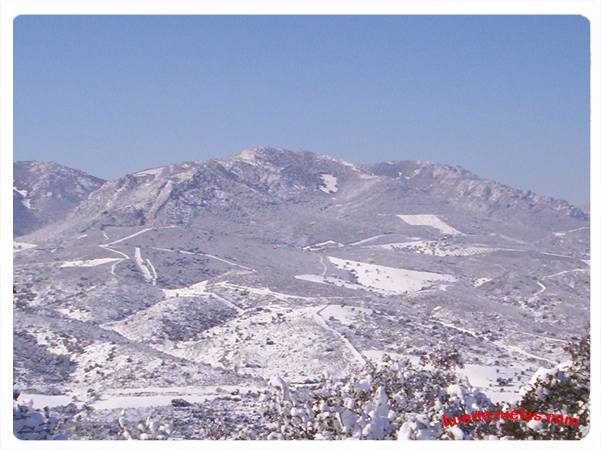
{"x":506,"y":97}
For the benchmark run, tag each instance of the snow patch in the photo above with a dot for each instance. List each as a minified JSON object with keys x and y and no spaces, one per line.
{"x":143,"y":173}
{"x":428,"y":220}
{"x":390,"y":280}
{"x":193,"y":290}
{"x":260,"y":291}
{"x":43,"y":400}
{"x":480,"y":281}
{"x":89,"y":262}
{"x":53,"y":342}
{"x":330,"y":183}
{"x":346,"y":315}
{"x":143,"y":266}
{"x":248,"y":156}
{"x":23,"y":192}
{"x":25,"y":201}
{"x":76,"y":314}
{"x":485,"y":379}
{"x":20,"y":246}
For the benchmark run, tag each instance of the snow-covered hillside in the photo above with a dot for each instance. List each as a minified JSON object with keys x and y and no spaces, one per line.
{"x":189,"y":291}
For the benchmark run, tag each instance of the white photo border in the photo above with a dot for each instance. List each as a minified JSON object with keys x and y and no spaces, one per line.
{"x":10,"y":9}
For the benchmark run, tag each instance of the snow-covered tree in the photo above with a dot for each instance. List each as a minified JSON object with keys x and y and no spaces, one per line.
{"x":392,"y":400}
{"x":563,"y":390}
{"x":30,"y":423}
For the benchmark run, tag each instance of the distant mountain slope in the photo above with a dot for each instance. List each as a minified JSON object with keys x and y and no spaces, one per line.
{"x":468,"y":191}
{"x":266,"y":185}
{"x":44,"y":192}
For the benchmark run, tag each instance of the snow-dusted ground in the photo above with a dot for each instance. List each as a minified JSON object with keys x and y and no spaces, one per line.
{"x":334,"y":281}
{"x":563,"y":233}
{"x":45,"y":400}
{"x":89,"y":262}
{"x":52,"y":341}
{"x":390,"y":280}
{"x":376,"y":356}
{"x":260,"y":291}
{"x":564,"y":272}
{"x":360,"y":360}
{"x":297,"y":344}
{"x":75,"y":313}
{"x":20,"y":246}
{"x":218,"y":258}
{"x":346,"y":315}
{"x":129,"y":236}
{"x":485,"y":378}
{"x":498,"y":343}
{"x":428,"y":220}
{"x":366,"y":240}
{"x":193,"y":290}
{"x":437,"y":248}
{"x":156,"y":396}
{"x":480,"y":281}
{"x":89,"y":359}
{"x":324,"y":244}
{"x":207,"y":255}
{"x":226,"y":302}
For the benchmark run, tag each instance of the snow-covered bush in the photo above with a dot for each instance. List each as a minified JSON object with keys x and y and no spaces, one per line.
{"x":33,"y":424}
{"x":150,"y":429}
{"x":393,"y":400}
{"x":562,"y":390}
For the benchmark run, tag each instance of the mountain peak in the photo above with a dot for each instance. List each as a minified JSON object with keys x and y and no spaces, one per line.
{"x":45,"y":191}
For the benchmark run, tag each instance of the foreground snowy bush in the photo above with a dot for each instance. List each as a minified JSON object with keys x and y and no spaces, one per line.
{"x":562,"y":390}
{"x":401,"y":400}
{"x":394,"y":400}
{"x":33,"y":424}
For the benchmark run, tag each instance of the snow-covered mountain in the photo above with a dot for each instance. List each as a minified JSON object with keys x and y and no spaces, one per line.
{"x":468,"y":191}
{"x":44,"y":192}
{"x":274,"y":263}
{"x":250,"y":185}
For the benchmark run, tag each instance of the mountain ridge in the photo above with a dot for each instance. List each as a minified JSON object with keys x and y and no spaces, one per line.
{"x":263,"y":177}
